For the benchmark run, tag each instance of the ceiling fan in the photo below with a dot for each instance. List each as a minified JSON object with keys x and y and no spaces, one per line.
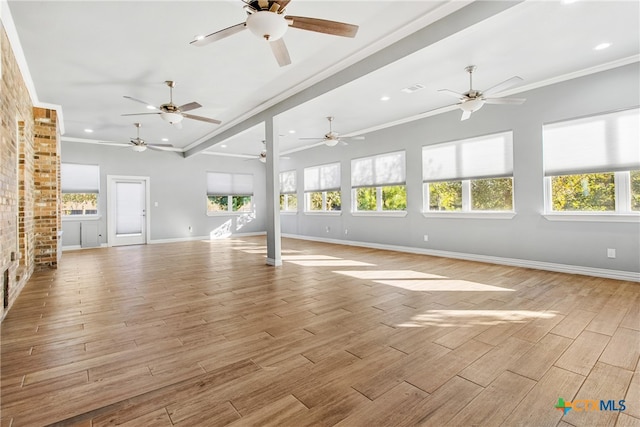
{"x":332,"y":138}
{"x":138,"y":144}
{"x":473,"y":100}
{"x":266,"y":20}
{"x":171,"y":112}
{"x":262,"y":157}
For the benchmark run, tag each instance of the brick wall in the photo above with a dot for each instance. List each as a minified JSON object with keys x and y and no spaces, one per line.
{"x":29,"y":182}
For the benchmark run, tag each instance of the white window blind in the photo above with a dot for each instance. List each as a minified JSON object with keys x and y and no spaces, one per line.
{"x":488,"y":156}
{"x":288,"y":182}
{"x":383,"y":169}
{"x":322,"y":178}
{"x":76,"y":178}
{"x":604,"y":143}
{"x":234,"y":184}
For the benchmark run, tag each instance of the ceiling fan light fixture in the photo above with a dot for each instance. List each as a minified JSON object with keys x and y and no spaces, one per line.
{"x":139,"y":148}
{"x":171,"y":117}
{"x":331,"y":142}
{"x":267,"y":25}
{"x":472,"y":105}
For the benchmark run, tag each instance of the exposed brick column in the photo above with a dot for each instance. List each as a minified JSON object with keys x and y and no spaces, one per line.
{"x":46,"y":160}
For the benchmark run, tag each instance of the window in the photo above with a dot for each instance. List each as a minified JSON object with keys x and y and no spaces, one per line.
{"x":470,"y":175}
{"x":288,"y":196}
{"x":378,"y":183}
{"x":80,"y":186}
{"x":229,"y":192}
{"x":322,"y":188}
{"x":592,"y":165}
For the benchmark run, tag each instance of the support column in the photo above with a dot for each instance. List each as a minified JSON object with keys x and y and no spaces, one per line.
{"x":274,"y":255}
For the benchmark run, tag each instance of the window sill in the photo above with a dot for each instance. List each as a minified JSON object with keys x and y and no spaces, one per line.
{"x":393,"y":214}
{"x":593,"y":217}
{"x":325,"y":213}
{"x":253,"y":214}
{"x":289,"y":213}
{"x":470,"y":215}
{"x":81,"y":218}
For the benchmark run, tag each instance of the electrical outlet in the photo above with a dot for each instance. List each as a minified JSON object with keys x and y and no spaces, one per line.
{"x":328,"y":229}
{"x":611,"y":253}
{"x":190,"y":229}
{"x":426,"y":237}
{"x":346,"y":231}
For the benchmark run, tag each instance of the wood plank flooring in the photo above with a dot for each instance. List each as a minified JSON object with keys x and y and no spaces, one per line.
{"x":205,"y":334}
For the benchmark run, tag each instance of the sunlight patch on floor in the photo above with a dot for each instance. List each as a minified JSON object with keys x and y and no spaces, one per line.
{"x":451,"y":285}
{"x":388,"y":274}
{"x":468,"y":318}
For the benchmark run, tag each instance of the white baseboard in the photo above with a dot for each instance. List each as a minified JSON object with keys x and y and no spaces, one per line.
{"x":191,"y":238}
{"x":515,"y":262}
{"x":79,"y":248}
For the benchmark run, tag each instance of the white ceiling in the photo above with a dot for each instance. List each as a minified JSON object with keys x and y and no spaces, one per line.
{"x":85,"y":56}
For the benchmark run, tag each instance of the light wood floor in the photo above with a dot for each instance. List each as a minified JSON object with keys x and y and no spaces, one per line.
{"x":204,"y":333}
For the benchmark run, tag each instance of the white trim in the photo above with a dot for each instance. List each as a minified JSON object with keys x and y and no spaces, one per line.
{"x":274,"y":262}
{"x":538,"y":265}
{"x":289,"y":213}
{"x":80,"y":248}
{"x":231,"y":213}
{"x":470,"y":215}
{"x":592,"y":217}
{"x":327,"y":213}
{"x":80,"y":218}
{"x":392,"y":214}
{"x":203,"y":238}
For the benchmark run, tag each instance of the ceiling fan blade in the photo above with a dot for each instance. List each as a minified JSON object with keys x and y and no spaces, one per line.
{"x":452,"y":93}
{"x":323,"y":26}
{"x":218,"y":35}
{"x":465,"y":115}
{"x":502,"y":86}
{"x":140,"y":101}
{"x":119,"y":144}
{"x":280,"y":51}
{"x":190,"y":106}
{"x":159,"y":145}
{"x":320,"y":138}
{"x":359,"y":138}
{"x":506,"y":101}
{"x":138,"y":114}
{"x":202,"y":119}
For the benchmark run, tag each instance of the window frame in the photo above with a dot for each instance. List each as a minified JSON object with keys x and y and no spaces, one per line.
{"x":286,"y":194}
{"x":229,"y":195}
{"x":466,"y":210}
{"x":75,"y":189}
{"x":377,"y":181}
{"x":614,"y":142}
{"x":322,"y":189}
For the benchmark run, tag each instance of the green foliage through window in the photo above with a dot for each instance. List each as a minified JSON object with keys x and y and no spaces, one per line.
{"x":221,"y":203}
{"x":288,"y":202}
{"x":324,"y":201}
{"x":493,"y":194}
{"x":584,"y":192}
{"x":79,"y":203}
{"x":635,"y":190}
{"x":445,"y":196}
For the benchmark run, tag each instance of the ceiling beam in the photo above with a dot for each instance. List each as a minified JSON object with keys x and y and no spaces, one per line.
{"x":457,"y":21}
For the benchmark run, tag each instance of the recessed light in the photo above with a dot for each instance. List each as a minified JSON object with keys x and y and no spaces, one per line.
{"x":292,"y":131}
{"x":602,"y":46}
{"x":384,"y":98}
{"x":151,"y":107}
{"x":88,"y":130}
{"x":165,"y":139}
{"x":223,"y":146}
{"x":568,"y":1}
{"x":199,"y":37}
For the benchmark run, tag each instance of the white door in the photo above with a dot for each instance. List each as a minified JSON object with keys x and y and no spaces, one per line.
{"x":128,"y":222}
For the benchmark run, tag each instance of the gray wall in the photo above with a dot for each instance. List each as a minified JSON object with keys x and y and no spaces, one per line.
{"x":528,"y":236}
{"x":177,"y":184}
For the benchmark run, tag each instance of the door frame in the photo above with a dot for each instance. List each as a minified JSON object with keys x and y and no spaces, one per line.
{"x":111,"y":205}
